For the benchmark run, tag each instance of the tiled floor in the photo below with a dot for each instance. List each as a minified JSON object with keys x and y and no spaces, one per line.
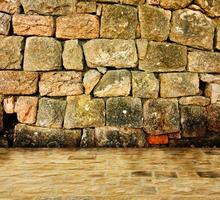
{"x":110,"y":174}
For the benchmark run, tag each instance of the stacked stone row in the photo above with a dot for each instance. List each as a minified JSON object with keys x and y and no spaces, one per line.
{"x":110,"y":72}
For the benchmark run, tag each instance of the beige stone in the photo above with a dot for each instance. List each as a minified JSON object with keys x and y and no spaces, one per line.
{"x":212,"y":8}
{"x":10,"y":6}
{"x":179,"y":84}
{"x":174,"y":5}
{"x":72,"y":55}
{"x":61,"y":84}
{"x":9,"y":104}
{"x":78,"y":26}
{"x":33,"y":25}
{"x":213,"y":111}
{"x":194,"y":100}
{"x":88,"y":138}
{"x":11,"y":48}
{"x":114,"y":83}
{"x":202,"y":61}
{"x":154,"y":22}
{"x":5,"y":21}
{"x":26,"y":109}
{"x":213,"y":91}
{"x":86,"y":7}
{"x":217,"y":37}
{"x":116,"y":53}
{"x":18,"y":82}
{"x":210,"y":78}
{"x":133,"y":2}
{"x":192,"y":28}
{"x":42,"y":54}
{"x":118,"y":21}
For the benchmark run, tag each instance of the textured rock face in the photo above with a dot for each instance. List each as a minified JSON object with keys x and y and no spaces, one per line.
{"x":118,"y":21}
{"x":51,"y":113}
{"x":42,"y":54}
{"x":213,"y":91}
{"x":10,"y":52}
{"x":13,"y":82}
{"x":210,"y":78}
{"x":154,"y":22}
{"x":162,"y":57}
{"x":30,"y":136}
{"x":9,"y":6}
{"x":86,"y":7}
{"x":79,"y":26}
{"x":88,"y":138}
{"x":192,"y":28}
{"x":179,"y":84}
{"x":124,"y":112}
{"x":213,"y":111}
{"x":217,"y":41}
{"x":48,"y":7}
{"x":144,"y":85}
{"x":114,"y":83}
{"x":5,"y":21}
{"x":194,"y":100}
{"x":33,"y":25}
{"x":111,"y":53}
{"x":119,"y":137}
{"x":212,"y":8}
{"x":84,"y":112}
{"x":193,"y":121}
{"x":61,"y":84}
{"x":174,"y":5}
{"x":158,"y":139}
{"x":161,"y":116}
{"x":72,"y":55}
{"x":201,"y":61}
{"x":9,"y":104}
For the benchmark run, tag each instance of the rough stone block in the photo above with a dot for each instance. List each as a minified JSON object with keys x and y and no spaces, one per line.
{"x":110,"y":53}
{"x":210,"y":78}
{"x":161,"y":116}
{"x":144,"y":85}
{"x":30,"y":136}
{"x":86,"y":7}
{"x":213,"y":91}
{"x":33,"y":25}
{"x":26,"y":109}
{"x":174,"y":5}
{"x":154,"y":22}
{"x":162,"y":57}
{"x":119,"y":137}
{"x":213,"y":111}
{"x":118,"y":21}
{"x":179,"y":84}
{"x":194,"y":100}
{"x":133,"y":2}
{"x":84,"y":112}
{"x":202,"y":61}
{"x":11,"y":52}
{"x":78,"y":26}
{"x":51,"y":112}
{"x":9,"y":104}
{"x":217,"y":40}
{"x":193,"y":121}
{"x":124,"y":112}
{"x":114,"y":83}
{"x":72,"y":55}
{"x":192,"y":28}
{"x":10,"y":6}
{"x":5,"y":21}
{"x":18,"y":82}
{"x":212,"y":8}
{"x":61,"y":83}
{"x":158,"y":139}
{"x":42,"y":54}
{"x":88,"y":138}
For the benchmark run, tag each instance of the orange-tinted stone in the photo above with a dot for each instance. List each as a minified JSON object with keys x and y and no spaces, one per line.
{"x":158,"y":139}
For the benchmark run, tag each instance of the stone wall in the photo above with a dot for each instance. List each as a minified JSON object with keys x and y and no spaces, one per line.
{"x":109,"y":73}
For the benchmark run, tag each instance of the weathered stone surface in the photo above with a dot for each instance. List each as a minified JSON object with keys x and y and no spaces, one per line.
{"x":118,"y":21}
{"x":161,"y":116}
{"x":30,"y":136}
{"x":213,"y":91}
{"x":42,"y":54}
{"x":110,"y":53}
{"x":73,"y":55}
{"x":154,"y":22}
{"x":193,"y":121}
{"x":119,"y":137}
{"x":124,"y":111}
{"x":144,"y":85}
{"x":133,"y":2}
{"x":84,"y":112}
{"x":212,"y":8}
{"x":194,"y":100}
{"x":10,"y":6}
{"x":17,"y":82}
{"x":210,"y":78}
{"x":78,"y":26}
{"x":26,"y":109}
{"x":9,"y":104}
{"x":49,"y":7}
{"x":86,"y":7}
{"x":192,"y":28}
{"x":179,"y":84}
{"x":61,"y":83}
{"x":114,"y":83}
{"x":158,"y":139}
{"x":33,"y":25}
{"x":5,"y":21}
{"x":202,"y":61}
{"x":174,"y":5}
{"x":51,"y":112}
{"x":90,"y":80}
{"x":10,"y":52}
{"x":213,"y":111}
{"x":217,"y":40}
{"x":88,"y":138}
{"x":162,"y":57}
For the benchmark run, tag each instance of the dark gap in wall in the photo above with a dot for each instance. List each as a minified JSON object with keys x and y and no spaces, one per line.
{"x":202,"y":86}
